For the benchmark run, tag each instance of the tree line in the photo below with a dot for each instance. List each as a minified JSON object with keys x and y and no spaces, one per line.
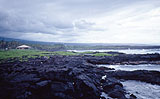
{"x":9,"y":44}
{"x":13,"y":44}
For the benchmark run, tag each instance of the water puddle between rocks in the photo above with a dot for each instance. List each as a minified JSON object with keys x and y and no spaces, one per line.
{"x":142,"y":90}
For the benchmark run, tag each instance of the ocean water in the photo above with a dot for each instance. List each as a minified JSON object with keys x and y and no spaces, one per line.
{"x":133,"y":67}
{"x":127,"y":51}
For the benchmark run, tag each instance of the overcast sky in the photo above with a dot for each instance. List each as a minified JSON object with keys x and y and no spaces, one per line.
{"x":81,"y":21}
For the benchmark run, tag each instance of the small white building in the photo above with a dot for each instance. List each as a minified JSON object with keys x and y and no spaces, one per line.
{"x":23,"y":47}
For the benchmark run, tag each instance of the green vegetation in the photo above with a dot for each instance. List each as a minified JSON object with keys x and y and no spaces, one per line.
{"x":50,"y":46}
{"x":20,"y":53}
{"x":25,"y":54}
{"x":36,"y":46}
{"x":88,"y":52}
{"x":102,"y":54}
{"x":64,"y":53}
{"x":9,"y":44}
{"x":30,"y":53}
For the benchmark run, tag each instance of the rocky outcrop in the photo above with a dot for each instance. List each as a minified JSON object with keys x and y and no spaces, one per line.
{"x":58,"y":77}
{"x":133,"y":59}
{"x":140,"y":75}
{"x":113,"y":88}
{"x":70,"y":77}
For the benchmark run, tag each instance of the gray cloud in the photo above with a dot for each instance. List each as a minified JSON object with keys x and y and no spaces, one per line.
{"x":80,"y":21}
{"x":83,"y":24}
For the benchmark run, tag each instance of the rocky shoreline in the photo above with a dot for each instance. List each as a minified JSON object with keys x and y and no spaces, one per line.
{"x":72,"y":77}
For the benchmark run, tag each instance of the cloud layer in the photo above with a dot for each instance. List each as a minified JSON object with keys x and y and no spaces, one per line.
{"x":83,"y":21}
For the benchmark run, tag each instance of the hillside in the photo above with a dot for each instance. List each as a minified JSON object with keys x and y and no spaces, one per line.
{"x":54,"y":46}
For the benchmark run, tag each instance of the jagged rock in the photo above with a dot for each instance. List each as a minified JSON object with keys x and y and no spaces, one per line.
{"x":86,"y":84}
{"x":71,"y":77}
{"x":140,"y":75}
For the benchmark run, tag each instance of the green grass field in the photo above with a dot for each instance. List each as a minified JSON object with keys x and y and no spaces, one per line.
{"x":102,"y":54}
{"x":36,"y":53}
{"x":30,"y":53}
{"x":19,"y":53}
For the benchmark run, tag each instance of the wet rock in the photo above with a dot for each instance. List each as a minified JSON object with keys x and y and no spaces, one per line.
{"x":114,"y":88}
{"x":132,"y":96}
{"x":105,"y":68}
{"x":102,"y":98}
{"x":86,"y":84}
{"x":116,"y":94}
{"x":125,"y":59}
{"x":110,"y":84}
{"x":140,"y":75}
